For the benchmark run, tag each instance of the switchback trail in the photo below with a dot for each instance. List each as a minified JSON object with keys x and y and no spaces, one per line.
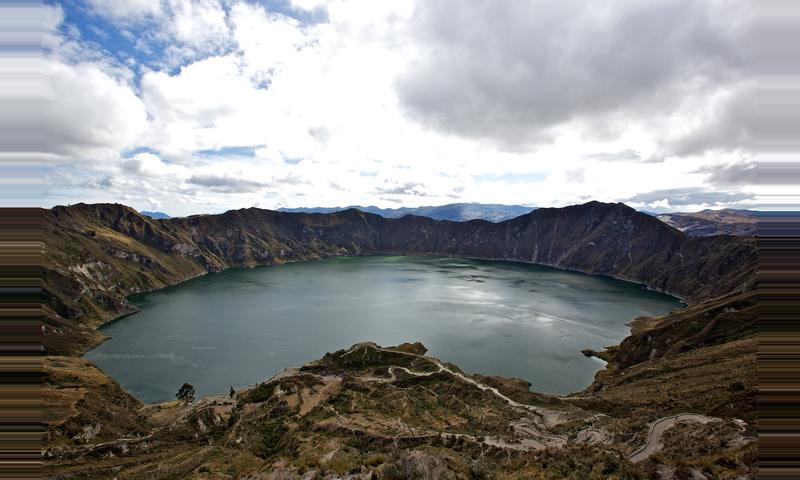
{"x":653,"y":443}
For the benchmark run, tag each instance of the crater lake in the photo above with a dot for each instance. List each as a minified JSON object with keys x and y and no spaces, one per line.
{"x":241,"y":326}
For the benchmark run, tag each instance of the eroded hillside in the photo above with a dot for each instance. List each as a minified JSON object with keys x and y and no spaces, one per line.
{"x":713,"y":222}
{"x":96,"y":255}
{"x":677,"y":398}
{"x":374,"y":412}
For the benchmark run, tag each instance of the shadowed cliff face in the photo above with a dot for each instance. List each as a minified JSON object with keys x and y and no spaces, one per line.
{"x":392,"y":411}
{"x":96,"y":255}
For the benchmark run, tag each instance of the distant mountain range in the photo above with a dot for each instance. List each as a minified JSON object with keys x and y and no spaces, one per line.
{"x":457,"y":212}
{"x":698,"y":224}
{"x":156,"y":215}
{"x":713,"y":222}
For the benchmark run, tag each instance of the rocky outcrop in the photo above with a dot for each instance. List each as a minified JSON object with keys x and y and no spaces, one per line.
{"x":391,"y":412}
{"x":708,"y":323}
{"x":96,"y":255}
{"x":372,"y":412}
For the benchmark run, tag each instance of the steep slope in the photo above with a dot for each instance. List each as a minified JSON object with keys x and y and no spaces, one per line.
{"x":96,"y":255}
{"x":700,"y":359}
{"x":373,"y":412}
{"x":81,"y":404}
{"x":713,"y":222}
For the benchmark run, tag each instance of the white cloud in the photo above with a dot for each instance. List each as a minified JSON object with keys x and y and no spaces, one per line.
{"x":126,"y":10}
{"x":323,"y":108}
{"x":86,"y":113}
{"x":150,"y":165}
{"x":208,"y":105}
{"x":199,"y":23}
{"x":310,"y":4}
{"x":662,"y":204}
{"x":268,"y":41}
{"x":512,"y":71}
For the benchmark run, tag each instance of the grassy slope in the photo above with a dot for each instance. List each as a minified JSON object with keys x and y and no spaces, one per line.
{"x":334,"y":417}
{"x":701,"y":359}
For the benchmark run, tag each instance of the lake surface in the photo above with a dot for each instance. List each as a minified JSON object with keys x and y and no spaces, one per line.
{"x":242,"y":326}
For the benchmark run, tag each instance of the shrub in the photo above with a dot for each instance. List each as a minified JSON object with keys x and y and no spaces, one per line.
{"x":186,"y":393}
{"x":375,"y":459}
{"x":736,"y":386}
{"x":274,"y":438}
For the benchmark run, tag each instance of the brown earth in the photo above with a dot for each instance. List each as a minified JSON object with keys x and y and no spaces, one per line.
{"x":97,"y":255}
{"x":713,"y":222}
{"x":338,"y":417}
{"x":395,"y":413}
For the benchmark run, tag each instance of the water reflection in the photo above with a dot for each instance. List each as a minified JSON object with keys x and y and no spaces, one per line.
{"x":495,"y":318}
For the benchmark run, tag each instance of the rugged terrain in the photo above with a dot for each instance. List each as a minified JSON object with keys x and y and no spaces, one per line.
{"x":713,"y":222}
{"x":683,"y":379}
{"x":96,"y":255}
{"x":374,"y":412}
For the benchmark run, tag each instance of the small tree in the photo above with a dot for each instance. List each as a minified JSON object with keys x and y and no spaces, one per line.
{"x":186,"y":393}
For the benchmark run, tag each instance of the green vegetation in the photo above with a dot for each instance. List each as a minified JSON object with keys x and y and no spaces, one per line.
{"x":273,"y":438}
{"x":338,"y":416}
{"x":359,"y":413}
{"x":186,"y":393}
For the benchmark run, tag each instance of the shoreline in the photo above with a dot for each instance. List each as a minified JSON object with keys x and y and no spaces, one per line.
{"x":382,"y":254}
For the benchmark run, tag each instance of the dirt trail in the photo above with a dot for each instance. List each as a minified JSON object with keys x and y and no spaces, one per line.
{"x":552,"y":417}
{"x":537,"y":438}
{"x":657,"y":429}
{"x":532,"y":429}
{"x":549,"y":417}
{"x":590,"y":436}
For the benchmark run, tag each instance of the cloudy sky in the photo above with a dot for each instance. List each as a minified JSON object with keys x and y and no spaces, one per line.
{"x":192,"y":106}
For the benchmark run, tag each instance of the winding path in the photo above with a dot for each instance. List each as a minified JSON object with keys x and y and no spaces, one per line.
{"x":657,"y":429}
{"x":588,"y":435}
{"x":548,"y":417}
{"x":443,"y":368}
{"x":533,"y":433}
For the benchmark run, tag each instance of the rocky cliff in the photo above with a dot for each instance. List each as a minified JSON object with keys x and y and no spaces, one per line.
{"x":96,"y":255}
{"x":371,"y":412}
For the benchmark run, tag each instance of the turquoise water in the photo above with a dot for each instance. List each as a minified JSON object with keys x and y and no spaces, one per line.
{"x":241,"y":326}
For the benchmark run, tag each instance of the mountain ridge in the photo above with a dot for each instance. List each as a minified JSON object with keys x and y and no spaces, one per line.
{"x":374,"y":414}
{"x":458,"y":212}
{"x":112,"y":251}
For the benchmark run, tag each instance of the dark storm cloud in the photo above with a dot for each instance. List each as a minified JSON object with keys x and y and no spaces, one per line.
{"x":236,"y":184}
{"x":627,"y":155}
{"x":731,"y":127}
{"x":761,"y":173}
{"x":507,"y":70}
{"x":226,"y":184}
{"x":679,"y":197}
{"x":221,"y":181}
{"x":749,"y":119}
